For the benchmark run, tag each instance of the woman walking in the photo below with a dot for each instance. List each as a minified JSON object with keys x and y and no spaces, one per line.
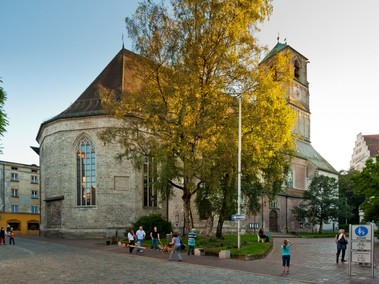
{"x":176,"y":246}
{"x":131,"y":238}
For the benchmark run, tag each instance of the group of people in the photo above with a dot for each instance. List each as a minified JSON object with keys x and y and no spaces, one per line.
{"x":8,"y":233}
{"x":177,"y":246}
{"x":176,"y":242}
{"x":139,"y":236}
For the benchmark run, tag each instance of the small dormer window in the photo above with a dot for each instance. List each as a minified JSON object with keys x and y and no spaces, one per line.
{"x":297,"y":70}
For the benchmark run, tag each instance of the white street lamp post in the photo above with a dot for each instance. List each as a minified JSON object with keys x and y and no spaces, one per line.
{"x":239,"y":168}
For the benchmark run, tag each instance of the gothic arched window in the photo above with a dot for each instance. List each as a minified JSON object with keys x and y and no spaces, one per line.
{"x":86,"y":173}
{"x":290,"y":179}
{"x":274,"y":203}
{"x":149,"y":191}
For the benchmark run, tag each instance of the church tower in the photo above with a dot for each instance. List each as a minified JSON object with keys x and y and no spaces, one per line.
{"x":298,"y":93}
{"x":306,"y":162}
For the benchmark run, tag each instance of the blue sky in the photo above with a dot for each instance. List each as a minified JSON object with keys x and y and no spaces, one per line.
{"x":50,"y":51}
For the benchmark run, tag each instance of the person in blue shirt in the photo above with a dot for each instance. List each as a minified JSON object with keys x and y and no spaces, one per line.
{"x":191,"y":242}
{"x":140,"y":237}
{"x":176,"y":246}
{"x":286,"y":255}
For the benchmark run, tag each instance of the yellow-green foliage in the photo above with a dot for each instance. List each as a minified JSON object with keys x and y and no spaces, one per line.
{"x":183,"y":112}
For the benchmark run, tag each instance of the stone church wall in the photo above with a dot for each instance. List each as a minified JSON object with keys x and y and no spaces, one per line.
{"x":119,"y":193}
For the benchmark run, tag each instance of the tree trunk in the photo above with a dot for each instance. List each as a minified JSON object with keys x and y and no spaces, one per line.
{"x":187,"y":211}
{"x":209,"y":226}
{"x":220,"y":224}
{"x":320,"y":229}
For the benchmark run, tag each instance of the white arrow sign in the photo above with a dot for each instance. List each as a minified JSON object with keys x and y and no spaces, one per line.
{"x":237,"y":217}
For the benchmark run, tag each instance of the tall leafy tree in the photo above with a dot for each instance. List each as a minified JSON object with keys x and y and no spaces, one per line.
{"x":3,"y":115}
{"x":320,"y":203}
{"x":367,"y":183}
{"x":349,"y":200}
{"x":194,"y":58}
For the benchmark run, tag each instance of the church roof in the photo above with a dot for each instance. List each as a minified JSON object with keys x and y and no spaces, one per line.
{"x":279,"y":47}
{"x":372,"y":142}
{"x":118,"y":75}
{"x":305,"y":150}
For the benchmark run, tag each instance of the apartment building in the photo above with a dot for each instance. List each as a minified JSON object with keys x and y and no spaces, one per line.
{"x":19,"y":197}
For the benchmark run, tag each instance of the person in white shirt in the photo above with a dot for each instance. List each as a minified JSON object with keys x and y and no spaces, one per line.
{"x":131,"y":238}
{"x":140,"y":237}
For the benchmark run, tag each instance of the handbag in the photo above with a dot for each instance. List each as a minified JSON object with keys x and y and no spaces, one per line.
{"x":342,"y":241}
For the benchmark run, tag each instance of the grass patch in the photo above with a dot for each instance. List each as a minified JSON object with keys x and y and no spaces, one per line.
{"x":250,"y":248}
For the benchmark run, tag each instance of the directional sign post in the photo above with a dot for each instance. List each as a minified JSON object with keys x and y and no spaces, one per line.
{"x":238,"y":217}
{"x":361,"y":243}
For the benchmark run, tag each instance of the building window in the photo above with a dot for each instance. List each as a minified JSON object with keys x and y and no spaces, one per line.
{"x":14,"y":168}
{"x":34,"y":209}
{"x":297,"y":69}
{"x":149,"y":191}
{"x":34,"y":171}
{"x":14,"y":208}
{"x":15,"y":225}
{"x":86,"y":173}
{"x":274,"y":203}
{"x":290,"y":179}
{"x":34,"y":194}
{"x":34,"y":179}
{"x":14,"y":192}
{"x":33,"y":226}
{"x":14,"y":177}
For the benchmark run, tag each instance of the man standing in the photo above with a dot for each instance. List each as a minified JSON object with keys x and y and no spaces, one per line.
{"x":154,"y":235}
{"x":140,"y":236}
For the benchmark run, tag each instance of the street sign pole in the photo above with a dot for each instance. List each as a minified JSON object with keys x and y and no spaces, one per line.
{"x":361,"y":246}
{"x":239,"y":168}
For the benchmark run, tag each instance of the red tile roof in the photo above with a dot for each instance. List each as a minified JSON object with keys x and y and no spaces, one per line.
{"x":372,"y":142}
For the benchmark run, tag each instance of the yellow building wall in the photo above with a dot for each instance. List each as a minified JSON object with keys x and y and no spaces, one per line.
{"x":28,"y":223}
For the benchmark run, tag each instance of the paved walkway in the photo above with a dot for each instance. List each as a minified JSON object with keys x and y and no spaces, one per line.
{"x":91,"y":261}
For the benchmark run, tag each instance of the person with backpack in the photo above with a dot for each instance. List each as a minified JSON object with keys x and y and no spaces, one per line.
{"x":341,"y":242}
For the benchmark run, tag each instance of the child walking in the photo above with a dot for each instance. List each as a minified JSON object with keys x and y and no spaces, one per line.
{"x":11,"y":237}
{"x":286,"y":255}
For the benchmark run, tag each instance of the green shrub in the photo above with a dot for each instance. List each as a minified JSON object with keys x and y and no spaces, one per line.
{"x":148,"y":222}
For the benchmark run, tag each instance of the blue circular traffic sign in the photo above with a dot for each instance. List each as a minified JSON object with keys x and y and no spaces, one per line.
{"x":361,"y":231}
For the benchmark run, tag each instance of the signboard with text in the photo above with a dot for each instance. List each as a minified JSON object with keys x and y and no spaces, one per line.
{"x":361,"y":244}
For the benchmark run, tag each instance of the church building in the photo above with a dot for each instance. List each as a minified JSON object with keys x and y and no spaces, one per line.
{"x":86,"y":192}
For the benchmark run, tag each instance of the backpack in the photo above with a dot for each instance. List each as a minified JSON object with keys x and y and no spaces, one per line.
{"x":342,"y":241}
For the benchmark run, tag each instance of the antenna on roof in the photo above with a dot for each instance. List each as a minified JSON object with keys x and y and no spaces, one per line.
{"x":277,"y":38}
{"x":122,"y":39}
